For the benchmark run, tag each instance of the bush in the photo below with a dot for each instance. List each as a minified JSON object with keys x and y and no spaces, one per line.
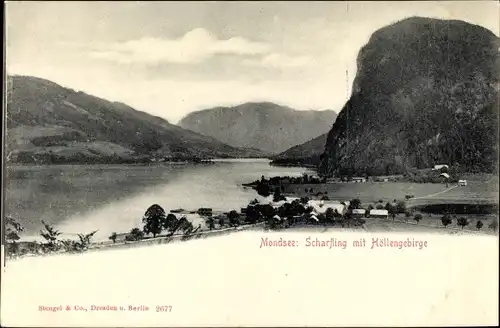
{"x":401,"y":207}
{"x":417,"y":217}
{"x":446,"y":220}
{"x":234,"y":218}
{"x":479,"y":225}
{"x":462,"y":222}
{"x":134,"y":235}
{"x":494,"y":225}
{"x":113,"y":237}
{"x":304,"y":200}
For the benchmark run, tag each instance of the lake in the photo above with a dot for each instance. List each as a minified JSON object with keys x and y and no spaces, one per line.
{"x":113,"y":198}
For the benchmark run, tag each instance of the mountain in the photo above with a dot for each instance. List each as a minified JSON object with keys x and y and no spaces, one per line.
{"x":264,"y":125}
{"x":47,"y":123}
{"x":426,"y":92}
{"x":307,"y":154}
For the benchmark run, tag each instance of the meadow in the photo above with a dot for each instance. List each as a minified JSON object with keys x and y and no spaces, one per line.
{"x":423,"y":193}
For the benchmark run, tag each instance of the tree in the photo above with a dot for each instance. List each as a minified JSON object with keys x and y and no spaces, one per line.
{"x":85,"y":239}
{"x":479,"y":225}
{"x":443,"y":169}
{"x":400,"y":207}
{"x":355,"y":204}
{"x":254,"y":202}
{"x":417,"y":218}
{"x":330,"y":215}
{"x":211,"y":223}
{"x":462,"y":222}
{"x":407,"y":215}
{"x":50,"y":234}
{"x":233,"y":217}
{"x":134,"y":235}
{"x":493,"y":225}
{"x":446,"y":220}
{"x":277,"y":195}
{"x":266,"y":210}
{"x":325,"y":198}
{"x":393,"y":214}
{"x":154,"y":219}
{"x":263,"y":189}
{"x":304,"y":200}
{"x":12,"y":229}
{"x":113,"y":237}
{"x":367,"y":212}
{"x":252,"y":214}
{"x":171,"y":224}
{"x":221,"y":222}
{"x":388,"y":207}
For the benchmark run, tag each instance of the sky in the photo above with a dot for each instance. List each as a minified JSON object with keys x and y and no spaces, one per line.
{"x":172,"y":58}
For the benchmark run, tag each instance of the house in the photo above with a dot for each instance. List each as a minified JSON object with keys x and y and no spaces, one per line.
{"x":445,"y":175}
{"x":358,"y":212}
{"x":439,"y":167}
{"x":379,"y":213}
{"x":321,"y":206}
{"x":277,"y":217}
{"x":462,"y":182}
{"x":358,"y":179}
{"x":278,"y":204}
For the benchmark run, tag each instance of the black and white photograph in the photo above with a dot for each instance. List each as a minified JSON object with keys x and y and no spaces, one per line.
{"x":250,"y":163}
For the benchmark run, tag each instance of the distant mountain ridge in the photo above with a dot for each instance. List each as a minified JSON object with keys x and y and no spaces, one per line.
{"x":263,"y":125}
{"x":48,"y":123}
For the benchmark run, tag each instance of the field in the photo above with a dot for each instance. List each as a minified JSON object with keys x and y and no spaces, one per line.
{"x":368,"y":192}
{"x":429,"y":224}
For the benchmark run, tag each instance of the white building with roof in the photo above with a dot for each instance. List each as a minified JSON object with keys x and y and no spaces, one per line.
{"x":445,"y":175}
{"x":379,"y":213}
{"x":440,"y":166}
{"x":357,"y":212}
{"x":321,"y":206}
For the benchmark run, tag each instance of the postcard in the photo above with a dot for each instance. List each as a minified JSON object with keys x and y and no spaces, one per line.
{"x":250,"y":164}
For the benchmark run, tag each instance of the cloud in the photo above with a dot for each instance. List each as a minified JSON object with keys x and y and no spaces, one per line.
{"x":280,"y":60}
{"x":194,"y":47}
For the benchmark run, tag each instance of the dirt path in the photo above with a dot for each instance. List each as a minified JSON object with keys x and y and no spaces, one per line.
{"x":434,"y":194}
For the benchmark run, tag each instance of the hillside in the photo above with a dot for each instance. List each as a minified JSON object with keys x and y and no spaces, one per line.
{"x":307,"y":153}
{"x":266,"y":126}
{"x":425,"y":93}
{"x":47,"y":123}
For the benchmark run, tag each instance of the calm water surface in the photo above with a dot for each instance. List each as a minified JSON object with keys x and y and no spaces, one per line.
{"x":113,"y":198}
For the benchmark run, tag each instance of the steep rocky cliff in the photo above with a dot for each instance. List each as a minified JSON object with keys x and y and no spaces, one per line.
{"x":426,"y":92}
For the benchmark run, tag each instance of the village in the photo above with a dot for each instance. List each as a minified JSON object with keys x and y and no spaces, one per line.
{"x":302,"y":202}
